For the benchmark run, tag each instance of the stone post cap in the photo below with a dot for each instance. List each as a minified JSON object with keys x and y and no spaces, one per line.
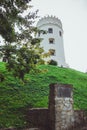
{"x":62,"y":85}
{"x":61,"y":90}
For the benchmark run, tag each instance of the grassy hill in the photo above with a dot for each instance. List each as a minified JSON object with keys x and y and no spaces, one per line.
{"x":16,"y":96}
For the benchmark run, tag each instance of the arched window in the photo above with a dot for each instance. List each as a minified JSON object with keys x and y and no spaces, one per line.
{"x":60,"y":33}
{"x":52,"y":52}
{"x":39,"y":34}
{"x":51,"y":40}
{"x":50,"y":30}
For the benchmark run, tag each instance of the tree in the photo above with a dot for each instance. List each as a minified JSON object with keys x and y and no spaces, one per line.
{"x":26,"y":58}
{"x":21,"y":50}
{"x":11,"y":15}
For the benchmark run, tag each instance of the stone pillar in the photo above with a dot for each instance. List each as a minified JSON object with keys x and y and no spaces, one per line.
{"x":61,"y":107}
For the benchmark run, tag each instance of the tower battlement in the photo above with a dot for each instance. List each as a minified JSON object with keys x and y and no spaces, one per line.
{"x":49,"y":20}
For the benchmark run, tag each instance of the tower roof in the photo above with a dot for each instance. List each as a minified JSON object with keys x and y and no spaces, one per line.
{"x":49,"y":20}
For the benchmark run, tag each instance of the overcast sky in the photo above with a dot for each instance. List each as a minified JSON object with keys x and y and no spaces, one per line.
{"x":73,"y":14}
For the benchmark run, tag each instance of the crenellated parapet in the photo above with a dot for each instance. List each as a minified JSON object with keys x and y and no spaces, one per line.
{"x":49,"y":20}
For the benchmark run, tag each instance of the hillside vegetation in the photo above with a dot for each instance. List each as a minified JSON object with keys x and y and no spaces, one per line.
{"x":16,"y":96}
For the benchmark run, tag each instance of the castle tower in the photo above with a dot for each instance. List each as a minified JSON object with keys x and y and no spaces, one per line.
{"x":53,"y":39}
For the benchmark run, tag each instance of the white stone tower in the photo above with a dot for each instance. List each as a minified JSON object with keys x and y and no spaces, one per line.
{"x":53,"y":40}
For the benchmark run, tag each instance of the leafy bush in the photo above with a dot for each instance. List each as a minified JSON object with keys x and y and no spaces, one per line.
{"x":41,"y":62}
{"x":52,"y":62}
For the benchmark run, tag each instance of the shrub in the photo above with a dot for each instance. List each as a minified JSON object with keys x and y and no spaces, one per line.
{"x":52,"y":62}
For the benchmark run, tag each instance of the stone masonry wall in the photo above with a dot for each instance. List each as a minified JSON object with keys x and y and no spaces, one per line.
{"x":80,"y":118}
{"x":38,"y":118}
{"x":60,"y":114}
{"x":61,"y":107}
{"x":63,"y":114}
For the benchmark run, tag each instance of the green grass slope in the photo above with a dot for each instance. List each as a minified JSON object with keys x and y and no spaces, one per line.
{"x":16,"y":96}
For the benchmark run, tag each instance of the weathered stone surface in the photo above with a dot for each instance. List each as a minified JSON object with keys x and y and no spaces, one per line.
{"x":62,"y":110}
{"x":38,"y":118}
{"x":33,"y":129}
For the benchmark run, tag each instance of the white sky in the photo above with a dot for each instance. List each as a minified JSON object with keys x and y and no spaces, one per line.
{"x":73,"y":14}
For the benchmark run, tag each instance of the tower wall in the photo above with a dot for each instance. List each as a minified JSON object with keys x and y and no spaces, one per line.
{"x":57,"y":45}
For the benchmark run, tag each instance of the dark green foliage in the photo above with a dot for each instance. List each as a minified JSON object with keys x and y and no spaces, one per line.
{"x":10,"y":14}
{"x":1,"y":77}
{"x":7,"y":52}
{"x":16,"y":96}
{"x":25,"y":60}
{"x":21,"y":50}
{"x":52,"y":62}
